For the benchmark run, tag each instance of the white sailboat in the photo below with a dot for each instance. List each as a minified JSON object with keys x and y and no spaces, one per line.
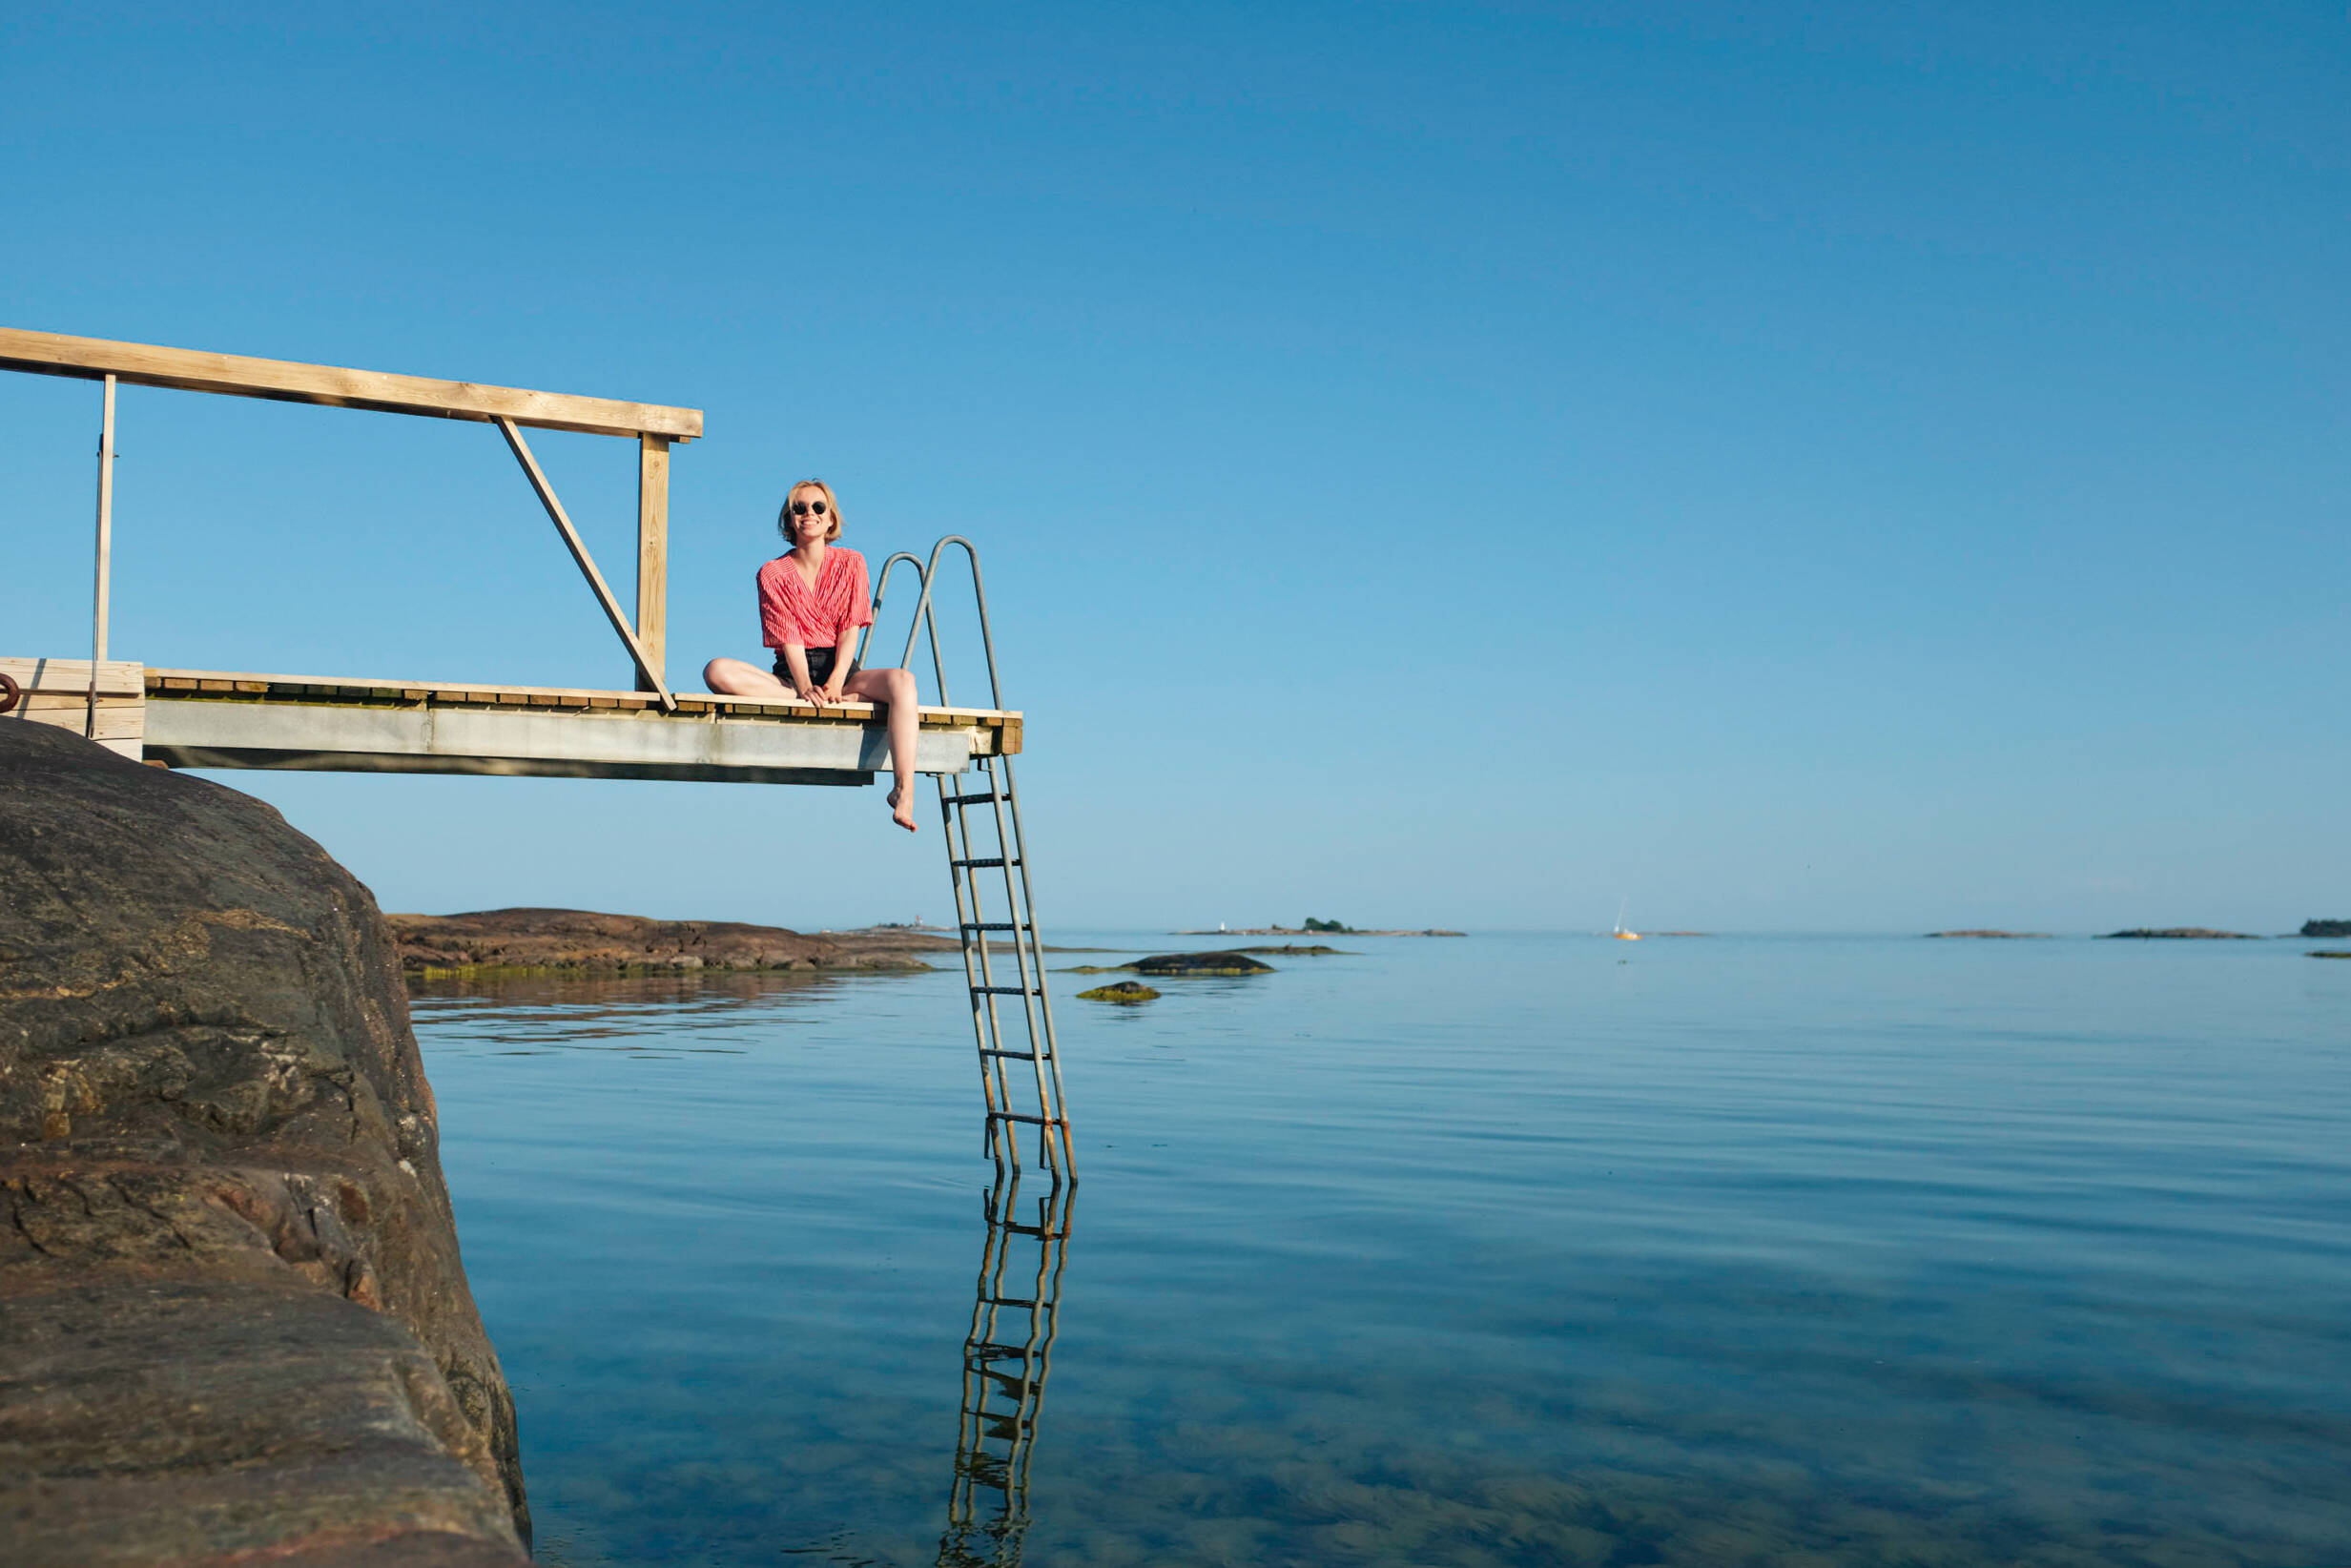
{"x":1621,"y":933}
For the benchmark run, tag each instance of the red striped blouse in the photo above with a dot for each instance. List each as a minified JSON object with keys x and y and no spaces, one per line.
{"x":791,"y":612}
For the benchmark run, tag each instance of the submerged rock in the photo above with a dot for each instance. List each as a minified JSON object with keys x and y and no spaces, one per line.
{"x":1121,"y":991}
{"x":1200,"y":963}
{"x":233,"y":1323}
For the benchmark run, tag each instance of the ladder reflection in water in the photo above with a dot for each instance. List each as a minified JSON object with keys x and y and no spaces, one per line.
{"x":1007,"y":1357}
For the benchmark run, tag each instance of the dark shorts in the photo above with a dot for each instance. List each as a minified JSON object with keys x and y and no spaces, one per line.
{"x":820,"y":666}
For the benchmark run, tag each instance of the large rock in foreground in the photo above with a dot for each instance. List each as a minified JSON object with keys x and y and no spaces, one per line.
{"x":538,"y":940}
{"x":234,"y":1325}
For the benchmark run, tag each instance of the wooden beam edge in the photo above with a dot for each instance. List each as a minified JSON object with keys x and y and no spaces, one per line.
{"x":291,"y":380}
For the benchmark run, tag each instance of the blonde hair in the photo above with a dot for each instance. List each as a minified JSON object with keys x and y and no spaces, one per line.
{"x":832,"y":507}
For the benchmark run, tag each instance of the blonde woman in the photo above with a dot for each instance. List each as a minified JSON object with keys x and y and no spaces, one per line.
{"x":813,"y":599}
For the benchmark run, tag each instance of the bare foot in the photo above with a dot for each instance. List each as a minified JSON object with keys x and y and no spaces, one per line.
{"x":904,"y":808}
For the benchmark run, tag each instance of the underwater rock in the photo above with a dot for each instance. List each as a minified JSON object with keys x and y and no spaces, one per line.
{"x":1128,"y":991}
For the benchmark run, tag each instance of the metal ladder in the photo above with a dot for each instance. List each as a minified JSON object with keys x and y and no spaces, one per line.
{"x":983,"y":830}
{"x":1007,"y":1357}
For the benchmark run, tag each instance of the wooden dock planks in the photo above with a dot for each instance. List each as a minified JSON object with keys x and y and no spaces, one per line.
{"x":1004,"y":726}
{"x":211,"y":718}
{"x":58,"y":691}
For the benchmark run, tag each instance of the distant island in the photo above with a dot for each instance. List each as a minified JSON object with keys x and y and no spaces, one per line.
{"x":1313,"y":928}
{"x":2326,"y":928}
{"x":2015,"y":935}
{"x":2180,"y":933}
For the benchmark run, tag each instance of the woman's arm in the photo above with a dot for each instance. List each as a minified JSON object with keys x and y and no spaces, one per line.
{"x":841,"y":660}
{"x":796,"y":660}
{"x":845,"y":635}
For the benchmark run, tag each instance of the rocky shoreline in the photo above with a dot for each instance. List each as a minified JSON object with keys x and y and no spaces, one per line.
{"x":554,"y":941}
{"x":233,"y":1322}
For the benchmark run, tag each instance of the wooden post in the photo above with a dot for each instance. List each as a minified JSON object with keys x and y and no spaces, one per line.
{"x":106,"y":554}
{"x":652,"y":555}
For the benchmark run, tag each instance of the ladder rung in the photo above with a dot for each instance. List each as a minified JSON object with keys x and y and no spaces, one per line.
{"x":1005,"y":991}
{"x":1016,"y":1115}
{"x":995,"y":925}
{"x":1010,"y":1300}
{"x":988,"y":860}
{"x":1017,"y":1055}
{"x":972,"y":799}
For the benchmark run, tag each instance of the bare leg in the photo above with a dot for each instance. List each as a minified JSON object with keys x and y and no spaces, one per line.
{"x":737,"y":679}
{"x":894,"y":689}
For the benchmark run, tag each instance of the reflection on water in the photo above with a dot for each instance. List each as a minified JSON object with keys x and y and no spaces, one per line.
{"x":1007,"y":1357}
{"x":656,"y":1013}
{"x":1477,"y":1254}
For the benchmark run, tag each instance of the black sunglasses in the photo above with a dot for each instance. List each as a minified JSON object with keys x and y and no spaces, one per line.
{"x":801,"y":508}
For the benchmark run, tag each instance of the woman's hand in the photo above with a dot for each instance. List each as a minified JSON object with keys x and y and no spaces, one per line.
{"x":833,"y":687}
{"x":795,"y":665}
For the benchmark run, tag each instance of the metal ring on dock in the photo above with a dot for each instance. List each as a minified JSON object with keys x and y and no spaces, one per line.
{"x":10,"y":694}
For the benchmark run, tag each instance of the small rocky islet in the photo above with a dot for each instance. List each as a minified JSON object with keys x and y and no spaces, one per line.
{"x":1316,"y":928}
{"x":2173,"y":933}
{"x":2180,"y":933}
{"x":1181,"y":965}
{"x":492,"y":943}
{"x":1995,"y":935}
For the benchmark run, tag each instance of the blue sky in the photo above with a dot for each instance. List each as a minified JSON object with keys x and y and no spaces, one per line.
{"x":1838,"y":469}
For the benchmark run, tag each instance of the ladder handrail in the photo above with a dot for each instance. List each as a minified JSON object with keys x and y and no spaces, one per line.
{"x":922,"y":613}
{"x":1027,"y":947}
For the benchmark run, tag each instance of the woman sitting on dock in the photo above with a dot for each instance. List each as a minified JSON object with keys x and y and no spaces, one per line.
{"x":812,"y":601}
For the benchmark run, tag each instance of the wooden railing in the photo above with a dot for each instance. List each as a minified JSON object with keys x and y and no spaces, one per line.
{"x":655,"y":426}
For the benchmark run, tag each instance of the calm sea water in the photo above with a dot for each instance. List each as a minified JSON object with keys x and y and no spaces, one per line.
{"x":1509,"y":1249}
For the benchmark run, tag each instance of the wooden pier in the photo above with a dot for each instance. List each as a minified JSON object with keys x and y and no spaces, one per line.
{"x":218,"y":718}
{"x":208,"y":718}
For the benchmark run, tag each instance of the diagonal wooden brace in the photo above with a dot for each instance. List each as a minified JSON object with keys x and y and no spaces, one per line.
{"x":647,"y":671}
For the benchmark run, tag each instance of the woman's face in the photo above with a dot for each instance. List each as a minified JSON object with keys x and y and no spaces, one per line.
{"x":812,"y":518}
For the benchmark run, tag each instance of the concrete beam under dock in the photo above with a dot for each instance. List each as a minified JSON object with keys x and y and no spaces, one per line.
{"x":194,"y":718}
